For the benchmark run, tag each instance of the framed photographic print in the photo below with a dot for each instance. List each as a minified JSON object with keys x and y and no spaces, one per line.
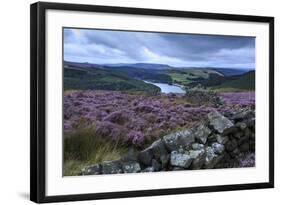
{"x":129,"y":102}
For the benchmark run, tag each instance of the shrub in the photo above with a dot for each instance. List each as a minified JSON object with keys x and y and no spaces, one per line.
{"x":137,"y":138}
{"x":119,"y":117}
{"x":203,"y":97}
{"x":109,"y":130}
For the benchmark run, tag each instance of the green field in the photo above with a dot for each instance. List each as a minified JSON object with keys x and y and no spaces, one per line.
{"x":186,"y":76}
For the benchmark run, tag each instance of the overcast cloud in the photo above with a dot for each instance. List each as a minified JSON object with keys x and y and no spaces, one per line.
{"x":180,"y":50}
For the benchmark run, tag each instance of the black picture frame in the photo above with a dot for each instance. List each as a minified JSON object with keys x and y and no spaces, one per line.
{"x":38,"y":100}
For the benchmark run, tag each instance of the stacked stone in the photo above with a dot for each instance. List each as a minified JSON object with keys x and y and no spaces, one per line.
{"x":216,"y":143}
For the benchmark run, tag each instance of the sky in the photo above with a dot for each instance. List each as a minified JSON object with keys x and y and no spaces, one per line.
{"x":178,"y":50}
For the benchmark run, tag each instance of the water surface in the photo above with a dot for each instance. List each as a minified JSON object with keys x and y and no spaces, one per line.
{"x":167,"y":88}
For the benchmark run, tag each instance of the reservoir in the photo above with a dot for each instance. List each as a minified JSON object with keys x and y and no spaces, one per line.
{"x":166,"y":88}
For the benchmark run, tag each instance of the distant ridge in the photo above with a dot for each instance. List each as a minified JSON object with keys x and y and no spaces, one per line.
{"x":232,"y":71}
{"x":245,"y":81}
{"x":141,"y":65}
{"x":82,"y":65}
{"x":156,"y":66}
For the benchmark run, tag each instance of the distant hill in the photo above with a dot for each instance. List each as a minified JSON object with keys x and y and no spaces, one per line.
{"x":153,"y":75}
{"x":231,"y":71}
{"x":83,"y":78}
{"x":156,"y":66}
{"x":245,"y":81}
{"x":141,"y":65}
{"x":81,"y":65}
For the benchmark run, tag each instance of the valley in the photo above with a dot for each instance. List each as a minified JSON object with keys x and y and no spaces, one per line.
{"x":112,"y":109}
{"x":85,"y":76}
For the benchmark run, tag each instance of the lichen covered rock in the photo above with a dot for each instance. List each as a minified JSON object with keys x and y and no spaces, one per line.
{"x":180,"y":160}
{"x":90,"y":170}
{"x":182,"y":139}
{"x":220,"y":123}
{"x":111,"y":167}
{"x":131,"y":167}
{"x":202,"y":132}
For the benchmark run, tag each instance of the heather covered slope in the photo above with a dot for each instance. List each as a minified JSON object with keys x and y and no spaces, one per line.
{"x":136,"y":118}
{"x":103,"y":125}
{"x":150,"y":116}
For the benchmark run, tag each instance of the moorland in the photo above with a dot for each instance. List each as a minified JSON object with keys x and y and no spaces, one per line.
{"x":112,"y":108}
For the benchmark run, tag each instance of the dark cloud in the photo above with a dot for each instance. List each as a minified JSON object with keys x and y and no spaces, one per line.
{"x":104,"y":46}
{"x":200,"y":47}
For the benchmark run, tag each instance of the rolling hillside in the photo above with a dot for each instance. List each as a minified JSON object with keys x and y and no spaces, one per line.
{"x":216,"y":82}
{"x":82,"y":78}
{"x":157,"y":76}
{"x":242,"y":82}
{"x":130,"y":77}
{"x":231,"y":71}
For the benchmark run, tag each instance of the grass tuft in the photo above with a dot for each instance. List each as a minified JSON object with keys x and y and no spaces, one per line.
{"x":83,"y":147}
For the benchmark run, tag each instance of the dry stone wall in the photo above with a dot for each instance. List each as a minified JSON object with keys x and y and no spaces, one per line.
{"x":219,"y":142}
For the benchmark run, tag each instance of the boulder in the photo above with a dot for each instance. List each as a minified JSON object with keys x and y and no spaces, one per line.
{"x":159,"y":152}
{"x":235,"y":153}
{"x":231,"y":145}
{"x":253,"y":136}
{"x":250,"y":122}
{"x":156,"y":165}
{"x":182,"y":139}
{"x":148,"y":169}
{"x":202,"y":132}
{"x":243,"y":139}
{"x":131,"y":167}
{"x":222,"y":139}
{"x":252,"y":145}
{"x":220,"y":123}
{"x":197,"y":146}
{"x":198,"y":157}
{"x":180,"y":160}
{"x":212,"y":138}
{"x":247,"y":132}
{"x":111,"y":167}
{"x":241,"y":125}
{"x":243,"y":115}
{"x":195,"y":153}
{"x":244,"y":147}
{"x":212,"y":159}
{"x":145,"y":157}
{"x":238,"y":135}
{"x":90,"y":170}
{"x":177,"y":169}
{"x":218,"y":148}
